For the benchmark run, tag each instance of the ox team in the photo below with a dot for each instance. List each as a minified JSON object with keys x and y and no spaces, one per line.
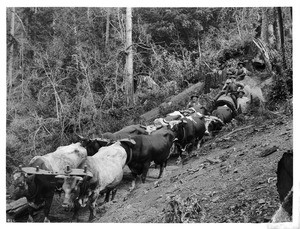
{"x":135,"y":146}
{"x":105,"y":157}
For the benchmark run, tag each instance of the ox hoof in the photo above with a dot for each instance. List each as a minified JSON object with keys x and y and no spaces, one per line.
{"x":131,"y":188}
{"x":30,"y":219}
{"x":92,"y":219}
{"x":46,"y":220}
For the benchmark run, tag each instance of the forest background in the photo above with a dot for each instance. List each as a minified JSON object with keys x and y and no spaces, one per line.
{"x":66,"y":66}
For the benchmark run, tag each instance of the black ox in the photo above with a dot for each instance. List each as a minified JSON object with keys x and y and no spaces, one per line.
{"x":189,"y":130}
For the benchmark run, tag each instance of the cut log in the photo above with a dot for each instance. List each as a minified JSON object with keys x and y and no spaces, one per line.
{"x":16,"y":204}
{"x":16,"y":208}
{"x":195,"y":89}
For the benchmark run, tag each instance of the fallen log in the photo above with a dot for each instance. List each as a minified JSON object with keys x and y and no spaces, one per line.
{"x":13,"y":206}
{"x":16,"y":208}
{"x":194,"y":89}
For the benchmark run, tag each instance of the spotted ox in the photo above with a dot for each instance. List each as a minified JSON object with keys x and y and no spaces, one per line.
{"x":39,"y":189}
{"x":213,"y":125}
{"x":107,"y":169}
{"x":177,"y":115}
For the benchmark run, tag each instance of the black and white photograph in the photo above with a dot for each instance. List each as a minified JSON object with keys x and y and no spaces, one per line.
{"x":159,"y":115}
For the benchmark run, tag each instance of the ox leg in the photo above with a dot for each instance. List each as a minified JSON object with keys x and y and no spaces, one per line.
{"x":93,"y":203}
{"x":133,"y":182}
{"x":30,"y":217}
{"x":76,"y":210}
{"x":113,"y":194}
{"x":200,"y":143}
{"x":161,"y":169}
{"x":107,"y":195}
{"x":48,"y":202}
{"x":145,"y":171}
{"x":179,"y":150}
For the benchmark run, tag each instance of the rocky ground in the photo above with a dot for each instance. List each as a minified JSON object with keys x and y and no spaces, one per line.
{"x":232,"y":178}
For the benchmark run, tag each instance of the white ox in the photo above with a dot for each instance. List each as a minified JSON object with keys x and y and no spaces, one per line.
{"x":57,"y":161}
{"x":39,"y":189}
{"x":107,"y":169}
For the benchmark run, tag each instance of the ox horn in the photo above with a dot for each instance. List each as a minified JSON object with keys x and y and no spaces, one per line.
{"x":81,"y":138}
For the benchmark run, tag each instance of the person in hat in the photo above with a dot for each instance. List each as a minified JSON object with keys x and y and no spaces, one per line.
{"x":194,"y":101}
{"x":241,"y":71}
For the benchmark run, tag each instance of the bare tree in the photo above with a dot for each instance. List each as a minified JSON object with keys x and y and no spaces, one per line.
{"x":11,"y":51}
{"x":107,"y":28}
{"x":264,"y":26}
{"x":280,"y":23}
{"x":129,"y":58}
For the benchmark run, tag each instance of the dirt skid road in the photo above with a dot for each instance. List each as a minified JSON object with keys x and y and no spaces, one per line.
{"x":232,"y":178}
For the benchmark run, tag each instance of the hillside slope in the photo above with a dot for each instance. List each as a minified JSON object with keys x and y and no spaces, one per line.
{"x":227,"y":180}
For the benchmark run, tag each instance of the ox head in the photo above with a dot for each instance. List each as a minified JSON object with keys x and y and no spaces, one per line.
{"x":212,"y":125}
{"x":92,"y":145}
{"x":130,"y":142}
{"x":74,"y":186}
{"x":178,"y":127}
{"x":71,"y":188}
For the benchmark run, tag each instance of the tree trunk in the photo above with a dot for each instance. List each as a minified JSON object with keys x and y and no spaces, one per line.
{"x":88,"y":14}
{"x":264,"y":26}
{"x":280,"y":23}
{"x":276,"y":30}
{"x":11,"y":51}
{"x":107,"y":28}
{"x":129,"y":58}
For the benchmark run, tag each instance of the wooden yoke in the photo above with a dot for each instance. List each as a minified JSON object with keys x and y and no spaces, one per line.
{"x":68,"y":171}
